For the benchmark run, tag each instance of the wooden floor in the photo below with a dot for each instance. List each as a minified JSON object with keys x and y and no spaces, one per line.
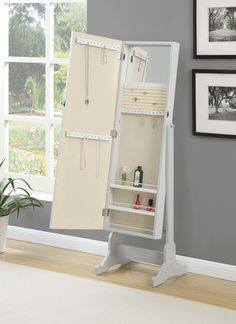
{"x":190,"y":286}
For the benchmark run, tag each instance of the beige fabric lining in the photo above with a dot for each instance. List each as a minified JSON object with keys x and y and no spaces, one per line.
{"x":83,"y":165}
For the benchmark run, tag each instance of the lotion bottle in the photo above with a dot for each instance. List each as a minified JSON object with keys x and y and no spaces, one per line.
{"x":123,"y":175}
{"x":138,"y":177}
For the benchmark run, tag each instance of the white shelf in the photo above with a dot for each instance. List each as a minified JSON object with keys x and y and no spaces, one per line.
{"x":129,"y":228}
{"x":144,"y":188}
{"x":128,"y":209}
{"x":140,"y":111}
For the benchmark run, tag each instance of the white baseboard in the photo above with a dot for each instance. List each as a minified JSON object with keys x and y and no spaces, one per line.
{"x":57,"y":240}
{"x":202,"y":267}
{"x":209,"y":268}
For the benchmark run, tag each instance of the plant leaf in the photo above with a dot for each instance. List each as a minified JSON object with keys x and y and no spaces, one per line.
{"x":33,"y":201}
{"x":20,"y":188}
{"x":23,"y":180}
{"x":2,"y":184}
{"x":10,"y":203}
{"x":16,"y":200}
{"x":2,"y":162}
{"x":11,"y":181}
{"x":4,"y":199}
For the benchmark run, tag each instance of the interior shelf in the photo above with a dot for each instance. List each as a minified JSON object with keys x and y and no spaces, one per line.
{"x":133,"y":228}
{"x":143,"y":111}
{"x":129,"y":186}
{"x":129,"y":208}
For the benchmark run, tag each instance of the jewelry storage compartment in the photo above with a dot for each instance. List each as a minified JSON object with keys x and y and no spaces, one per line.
{"x":133,"y":206}
{"x":140,"y":145}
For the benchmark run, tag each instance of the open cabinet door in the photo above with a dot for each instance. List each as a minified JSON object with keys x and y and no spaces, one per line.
{"x":85,"y":142}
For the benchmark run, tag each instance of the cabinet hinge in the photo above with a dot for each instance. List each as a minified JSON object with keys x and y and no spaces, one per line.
{"x":105,"y":212}
{"x":113,"y":133}
{"x":122,"y":56}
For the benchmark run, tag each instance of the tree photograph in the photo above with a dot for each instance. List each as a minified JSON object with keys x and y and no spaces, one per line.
{"x":222,"y":24}
{"x":222,"y":103}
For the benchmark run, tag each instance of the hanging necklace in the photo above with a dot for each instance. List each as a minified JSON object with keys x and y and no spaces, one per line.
{"x":104,"y":55}
{"x":83,"y":155}
{"x":86,"y":48}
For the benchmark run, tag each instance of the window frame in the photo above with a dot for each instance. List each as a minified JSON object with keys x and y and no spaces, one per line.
{"x":39,"y":183}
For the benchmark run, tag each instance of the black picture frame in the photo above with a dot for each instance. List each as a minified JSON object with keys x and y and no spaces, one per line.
{"x":195,"y":45}
{"x":194,"y":108}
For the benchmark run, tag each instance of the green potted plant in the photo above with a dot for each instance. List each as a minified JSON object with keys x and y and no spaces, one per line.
{"x":12,"y":199}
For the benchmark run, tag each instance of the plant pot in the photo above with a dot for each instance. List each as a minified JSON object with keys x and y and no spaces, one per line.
{"x":3,"y":232}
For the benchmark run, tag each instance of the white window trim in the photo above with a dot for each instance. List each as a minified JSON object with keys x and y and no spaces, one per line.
{"x":41,"y":184}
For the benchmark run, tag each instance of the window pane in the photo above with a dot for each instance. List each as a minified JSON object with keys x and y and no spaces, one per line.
{"x":57,"y":129}
{"x":27,"y":89}
{"x":67,"y":17}
{"x":26,"y":148}
{"x":26,"y":30}
{"x":60,"y":73}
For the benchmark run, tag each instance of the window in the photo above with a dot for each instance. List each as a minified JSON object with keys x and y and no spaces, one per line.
{"x":34,"y":58}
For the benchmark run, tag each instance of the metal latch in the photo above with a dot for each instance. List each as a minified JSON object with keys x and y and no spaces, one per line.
{"x":113,"y":133}
{"x":105,"y":212}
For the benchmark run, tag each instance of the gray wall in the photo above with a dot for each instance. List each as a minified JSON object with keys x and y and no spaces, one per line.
{"x":205,"y":177}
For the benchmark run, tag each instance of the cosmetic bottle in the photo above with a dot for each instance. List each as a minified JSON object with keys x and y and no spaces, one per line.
{"x":150,"y":205}
{"x":137,"y":202}
{"x":138,"y":177}
{"x":123,"y":175}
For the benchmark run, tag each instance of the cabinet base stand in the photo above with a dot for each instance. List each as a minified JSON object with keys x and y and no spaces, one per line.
{"x":120,"y":252}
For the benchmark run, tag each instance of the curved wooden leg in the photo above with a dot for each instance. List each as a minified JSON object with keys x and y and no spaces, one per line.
{"x":113,"y":257}
{"x":169,"y":270}
{"x":108,"y":262}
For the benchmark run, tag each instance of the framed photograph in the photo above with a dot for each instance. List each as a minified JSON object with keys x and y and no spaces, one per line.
{"x":214,"y":103}
{"x":214,"y":28}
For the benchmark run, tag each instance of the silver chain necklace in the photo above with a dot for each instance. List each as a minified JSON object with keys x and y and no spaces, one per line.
{"x":86,"y":48}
